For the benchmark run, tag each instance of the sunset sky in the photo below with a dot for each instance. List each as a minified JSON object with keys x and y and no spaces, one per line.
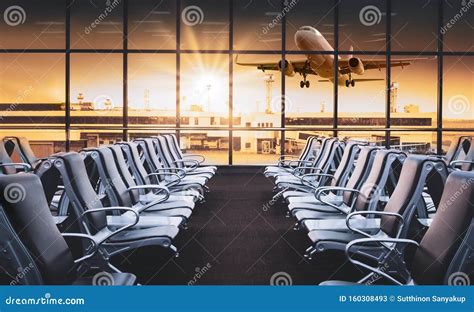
{"x":204,"y":77}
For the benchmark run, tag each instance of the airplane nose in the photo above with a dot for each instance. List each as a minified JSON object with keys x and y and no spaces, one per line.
{"x":301,"y":40}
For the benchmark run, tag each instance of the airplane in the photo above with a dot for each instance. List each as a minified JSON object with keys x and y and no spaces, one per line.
{"x":309,"y":38}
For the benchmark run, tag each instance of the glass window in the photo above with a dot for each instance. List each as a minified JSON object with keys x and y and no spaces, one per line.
{"x":32,"y":89}
{"x":96,"y":89}
{"x":316,"y":14}
{"x":152,"y":89}
{"x":414,"y":142}
{"x":213,"y":145}
{"x":414,"y":92}
{"x":458,"y":95}
{"x":257,"y":95}
{"x":152,"y":24}
{"x":204,"y":25}
{"x":204,"y":89}
{"x":256,"y":147}
{"x":257,"y":25}
{"x":458,"y":17}
{"x":32,"y":24}
{"x":364,"y":103}
{"x":87,"y":138}
{"x":313,"y":105}
{"x":362,"y":25}
{"x":97,"y":24}
{"x":414,"y":25}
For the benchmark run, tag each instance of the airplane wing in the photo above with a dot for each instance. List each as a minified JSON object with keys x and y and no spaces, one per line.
{"x":357,"y":80}
{"x":376,"y":64}
{"x":299,"y":66}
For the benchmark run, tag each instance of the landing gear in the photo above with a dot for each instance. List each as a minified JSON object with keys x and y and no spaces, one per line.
{"x":304,"y":82}
{"x":350,"y":82}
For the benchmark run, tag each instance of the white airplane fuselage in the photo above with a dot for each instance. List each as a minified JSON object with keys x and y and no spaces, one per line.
{"x":309,"y":38}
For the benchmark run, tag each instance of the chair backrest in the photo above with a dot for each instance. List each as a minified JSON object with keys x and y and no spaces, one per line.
{"x":23,"y":147}
{"x":307,"y":151}
{"x":134,"y":162}
{"x":174,"y":148}
{"x":80,"y":191}
{"x":166,"y":151}
{"x":325,"y":156}
{"x":457,"y":147}
{"x":111,"y":178}
{"x":416,"y":171}
{"x":23,"y":200}
{"x":152,"y":160}
{"x":373,"y":187}
{"x":15,"y":257}
{"x":469,"y":164}
{"x":5,"y":159}
{"x":447,"y":230}
{"x":346,"y":165}
{"x":361,"y":171}
{"x":124,"y":171}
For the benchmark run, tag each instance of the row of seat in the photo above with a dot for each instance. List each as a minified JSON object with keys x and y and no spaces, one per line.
{"x":112,"y":199}
{"x":371,"y":202}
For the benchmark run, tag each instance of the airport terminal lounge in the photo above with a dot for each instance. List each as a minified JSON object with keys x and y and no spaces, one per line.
{"x":240,"y":143}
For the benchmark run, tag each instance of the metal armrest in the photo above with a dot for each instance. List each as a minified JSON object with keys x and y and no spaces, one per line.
{"x":299,"y":170}
{"x":194,"y":166}
{"x":382,"y":213}
{"x":171,"y":169}
{"x":308,"y":183}
{"x":95,"y":245}
{"x":25,"y":166}
{"x":152,"y":187}
{"x":326,"y":189}
{"x":123,"y":228}
{"x":203,"y":159}
{"x":178,"y":177}
{"x":297,"y":163}
{"x":381,"y":241}
{"x":456,"y":162}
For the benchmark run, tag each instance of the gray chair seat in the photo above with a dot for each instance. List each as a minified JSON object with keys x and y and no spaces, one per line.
{"x":172,"y":212}
{"x":333,"y":236}
{"x":311,"y":214}
{"x":136,"y":235}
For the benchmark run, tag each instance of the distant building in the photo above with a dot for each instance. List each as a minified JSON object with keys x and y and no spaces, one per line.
{"x":411,"y":109}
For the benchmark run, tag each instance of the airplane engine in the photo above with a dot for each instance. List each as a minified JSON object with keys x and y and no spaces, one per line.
{"x":289,"y":68}
{"x":356,"y":66}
